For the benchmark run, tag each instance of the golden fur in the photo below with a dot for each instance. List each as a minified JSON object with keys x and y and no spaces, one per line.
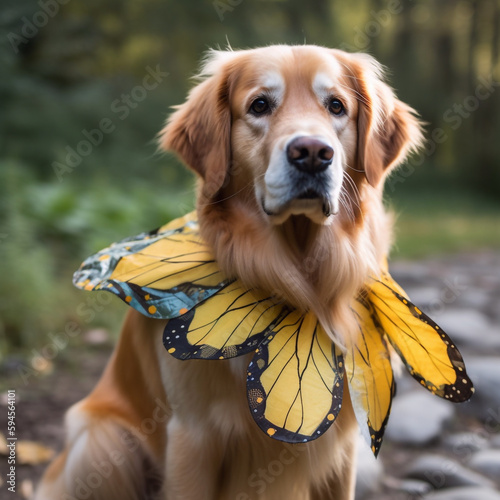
{"x":156,"y":427}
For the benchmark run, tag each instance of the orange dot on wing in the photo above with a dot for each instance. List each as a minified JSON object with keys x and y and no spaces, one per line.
{"x":151,"y":309}
{"x":183,"y":311}
{"x":271,"y":431}
{"x":330,"y":416}
{"x":128,"y":298}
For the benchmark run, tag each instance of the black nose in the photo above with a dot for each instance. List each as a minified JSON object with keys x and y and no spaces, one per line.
{"x":309,"y":154}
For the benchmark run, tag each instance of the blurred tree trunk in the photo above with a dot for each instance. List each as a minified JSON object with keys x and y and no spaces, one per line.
{"x":296,"y":18}
{"x":445,"y":73}
{"x":376,"y":6}
{"x":473,"y":39}
{"x":404,"y":44}
{"x":484,"y":121}
{"x":495,"y":41}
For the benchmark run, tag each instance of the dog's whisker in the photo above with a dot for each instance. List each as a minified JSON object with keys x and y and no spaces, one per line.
{"x":347,"y":199}
{"x":356,"y":196}
{"x":354,"y":93}
{"x":347,"y":211}
{"x":344,"y":201}
{"x":355,"y":189}
{"x":355,"y":169}
{"x":350,"y":89}
{"x":351,"y":184}
{"x":236,"y":192}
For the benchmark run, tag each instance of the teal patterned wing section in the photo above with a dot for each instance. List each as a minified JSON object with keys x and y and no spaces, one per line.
{"x":163,"y":274}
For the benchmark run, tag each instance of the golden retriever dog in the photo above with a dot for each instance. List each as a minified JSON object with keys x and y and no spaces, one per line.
{"x":291,"y":145}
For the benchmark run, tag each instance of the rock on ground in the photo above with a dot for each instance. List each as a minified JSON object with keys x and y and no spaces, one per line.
{"x":487,"y":462}
{"x":369,"y":472}
{"x":464,"y":444}
{"x":442,"y":472}
{"x":485,"y":403}
{"x":417,"y":417}
{"x":464,"y":494}
{"x":470,"y":329}
{"x":415,"y":487}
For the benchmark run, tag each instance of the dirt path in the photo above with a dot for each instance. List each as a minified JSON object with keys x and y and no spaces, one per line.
{"x":41,"y":404}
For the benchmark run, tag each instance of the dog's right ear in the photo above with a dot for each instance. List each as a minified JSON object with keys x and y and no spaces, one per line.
{"x":388,"y":129}
{"x":199,"y":131}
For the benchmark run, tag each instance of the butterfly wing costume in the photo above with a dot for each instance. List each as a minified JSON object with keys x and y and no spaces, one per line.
{"x":296,"y":376}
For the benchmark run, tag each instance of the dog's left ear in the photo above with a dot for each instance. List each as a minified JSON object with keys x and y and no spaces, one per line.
{"x":199,"y":130}
{"x":388,"y":129}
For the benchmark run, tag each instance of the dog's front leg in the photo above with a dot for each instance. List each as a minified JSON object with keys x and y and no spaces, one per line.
{"x":193,"y":462}
{"x":340,"y":481}
{"x":338,"y":488}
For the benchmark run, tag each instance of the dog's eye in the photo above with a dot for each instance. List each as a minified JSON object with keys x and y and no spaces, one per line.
{"x":260,"y":106}
{"x":336,"y":107}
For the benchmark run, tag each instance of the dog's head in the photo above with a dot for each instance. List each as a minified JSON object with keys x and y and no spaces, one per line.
{"x":304,"y":129}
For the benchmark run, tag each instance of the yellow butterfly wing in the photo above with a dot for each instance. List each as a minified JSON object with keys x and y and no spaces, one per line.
{"x":295,"y":380}
{"x":159,"y":264}
{"x":428,"y":353}
{"x":369,"y":374}
{"x":231,"y":323}
{"x":162,"y":274}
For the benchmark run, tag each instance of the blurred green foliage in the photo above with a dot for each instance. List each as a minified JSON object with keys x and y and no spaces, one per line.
{"x":67,"y":68}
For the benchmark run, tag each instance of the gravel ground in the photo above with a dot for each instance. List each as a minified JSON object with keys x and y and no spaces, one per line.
{"x":435,"y":449}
